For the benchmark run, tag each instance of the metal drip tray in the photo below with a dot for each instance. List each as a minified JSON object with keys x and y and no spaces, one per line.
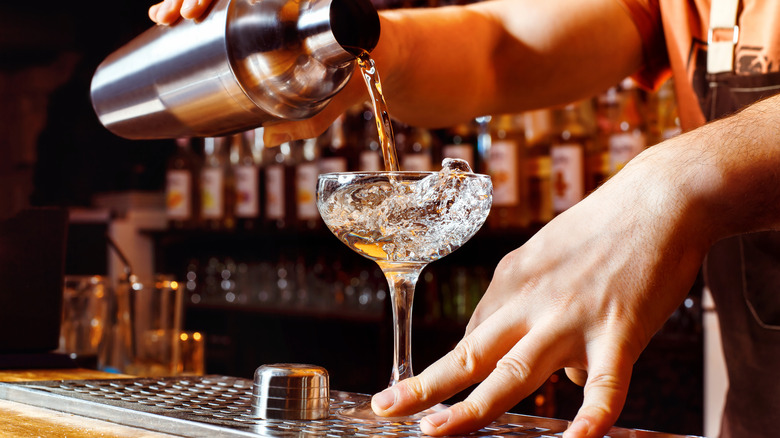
{"x":221,"y":406}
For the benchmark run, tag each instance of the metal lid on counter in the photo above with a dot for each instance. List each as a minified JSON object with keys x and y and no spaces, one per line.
{"x":291,"y":392}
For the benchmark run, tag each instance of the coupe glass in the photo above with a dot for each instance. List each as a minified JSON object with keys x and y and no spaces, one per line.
{"x":403,"y":221}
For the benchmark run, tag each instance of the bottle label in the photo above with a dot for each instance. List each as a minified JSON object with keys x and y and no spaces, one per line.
{"x":306,"y":191}
{"x":462,"y":151}
{"x":212,"y":187}
{"x":568,"y":175}
{"x":417,"y":162}
{"x":503,"y":168}
{"x":623,"y":147}
{"x":178,"y":195}
{"x":274,"y":192}
{"x":333,"y":164}
{"x":370,"y":161}
{"x":247,"y":187}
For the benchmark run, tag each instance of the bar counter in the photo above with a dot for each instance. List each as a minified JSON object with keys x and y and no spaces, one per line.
{"x":199,"y":406}
{"x":21,"y":420}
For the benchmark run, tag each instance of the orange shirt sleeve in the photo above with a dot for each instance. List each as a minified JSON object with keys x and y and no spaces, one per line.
{"x":646,"y":15}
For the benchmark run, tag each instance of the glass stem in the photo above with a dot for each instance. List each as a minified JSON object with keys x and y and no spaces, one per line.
{"x":401,"y":278}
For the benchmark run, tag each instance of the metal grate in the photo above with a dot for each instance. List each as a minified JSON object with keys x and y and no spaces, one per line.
{"x":220,"y":406}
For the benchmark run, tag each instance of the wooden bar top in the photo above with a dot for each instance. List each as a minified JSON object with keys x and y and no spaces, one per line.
{"x":23,"y":421}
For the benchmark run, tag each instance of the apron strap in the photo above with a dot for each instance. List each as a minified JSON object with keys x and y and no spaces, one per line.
{"x":722,"y":36}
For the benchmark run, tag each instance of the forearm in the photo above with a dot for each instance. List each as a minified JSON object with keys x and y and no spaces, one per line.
{"x":445,"y":65}
{"x":725,"y":176}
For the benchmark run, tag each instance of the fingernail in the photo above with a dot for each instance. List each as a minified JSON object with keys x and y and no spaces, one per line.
{"x":579,"y":428}
{"x":384,"y":400}
{"x":189,"y":5}
{"x":437,"y":420}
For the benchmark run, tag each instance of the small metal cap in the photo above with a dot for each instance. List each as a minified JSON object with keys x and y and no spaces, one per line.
{"x":291,"y":392}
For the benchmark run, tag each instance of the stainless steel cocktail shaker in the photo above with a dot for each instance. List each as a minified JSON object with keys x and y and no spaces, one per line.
{"x":245,"y":63}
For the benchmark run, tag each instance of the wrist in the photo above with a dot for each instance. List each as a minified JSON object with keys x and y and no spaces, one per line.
{"x":722,"y":178}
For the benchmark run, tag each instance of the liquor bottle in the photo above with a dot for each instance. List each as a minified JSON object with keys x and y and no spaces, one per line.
{"x":538,"y":165}
{"x":370,"y":157}
{"x":181,"y":186}
{"x":246,"y":171}
{"x":217,"y":185}
{"x":306,"y":172}
{"x":460,"y":141}
{"x":278,"y":176}
{"x":573,"y":135}
{"x":335,"y":155}
{"x":505,"y":167}
{"x":415,"y":148}
{"x":483,"y":142}
{"x":598,"y":158}
{"x":626,"y":138}
{"x":663,"y":121}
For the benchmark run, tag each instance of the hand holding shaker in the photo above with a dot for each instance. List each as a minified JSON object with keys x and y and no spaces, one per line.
{"x":244,"y":64}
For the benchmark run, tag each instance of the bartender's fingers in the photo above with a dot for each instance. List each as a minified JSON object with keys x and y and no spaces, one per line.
{"x":166,"y":12}
{"x":192,"y":9}
{"x":153,"y":11}
{"x":605,"y":393}
{"x":277,"y":133}
{"x":520,"y":372}
{"x":469,"y":362}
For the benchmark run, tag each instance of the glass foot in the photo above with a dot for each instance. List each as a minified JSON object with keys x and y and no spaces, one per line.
{"x":363,"y":413}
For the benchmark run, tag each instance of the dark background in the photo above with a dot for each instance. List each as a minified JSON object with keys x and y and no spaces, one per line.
{"x":51,"y":138}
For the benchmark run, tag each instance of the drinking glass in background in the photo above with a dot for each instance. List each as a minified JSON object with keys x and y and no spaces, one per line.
{"x":192,"y":354}
{"x":155,"y":317}
{"x":85,"y":312}
{"x":145,"y":337}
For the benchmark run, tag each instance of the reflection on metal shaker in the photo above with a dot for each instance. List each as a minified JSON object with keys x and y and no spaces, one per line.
{"x":245,"y":63}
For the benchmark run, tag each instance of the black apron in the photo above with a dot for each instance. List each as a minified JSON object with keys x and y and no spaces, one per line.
{"x":743,"y":274}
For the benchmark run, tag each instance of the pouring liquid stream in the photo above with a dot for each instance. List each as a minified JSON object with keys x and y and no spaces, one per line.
{"x":384,"y":126}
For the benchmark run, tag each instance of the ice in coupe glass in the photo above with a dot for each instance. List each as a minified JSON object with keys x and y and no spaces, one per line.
{"x":403,"y":221}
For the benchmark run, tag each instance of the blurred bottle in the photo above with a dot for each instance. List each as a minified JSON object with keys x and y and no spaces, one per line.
{"x":663,"y":121}
{"x":598,"y":160}
{"x":370,"y":157}
{"x":247,"y":176}
{"x":415,"y":148}
{"x":483,"y":142}
{"x":626,"y":131}
{"x":573,"y":135}
{"x":460,"y":141}
{"x":217,"y":185}
{"x":538,"y":165}
{"x":278,"y":178}
{"x":306,"y":173}
{"x":335,"y":155}
{"x":505,"y":167}
{"x":182,"y":186}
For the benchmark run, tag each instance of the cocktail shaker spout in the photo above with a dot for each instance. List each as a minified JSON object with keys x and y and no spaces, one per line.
{"x":244,"y":64}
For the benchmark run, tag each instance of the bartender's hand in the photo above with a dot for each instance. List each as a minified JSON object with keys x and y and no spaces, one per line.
{"x":169,"y":11}
{"x":586,"y":293}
